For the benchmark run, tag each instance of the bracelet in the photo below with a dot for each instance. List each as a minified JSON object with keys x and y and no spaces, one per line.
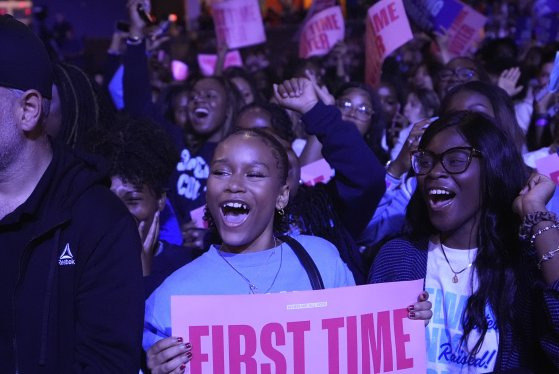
{"x":134,"y":40}
{"x":532,"y":219}
{"x":541,"y":231}
{"x":387,"y":172}
{"x":548,"y":256}
{"x":541,"y":122}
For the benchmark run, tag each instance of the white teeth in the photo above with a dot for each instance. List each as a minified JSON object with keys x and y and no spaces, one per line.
{"x":235,"y":205}
{"x":201,"y":111}
{"x":438,"y":192}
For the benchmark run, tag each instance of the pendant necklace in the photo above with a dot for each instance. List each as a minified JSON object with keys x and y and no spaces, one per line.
{"x":455,"y":277}
{"x":252,"y":287}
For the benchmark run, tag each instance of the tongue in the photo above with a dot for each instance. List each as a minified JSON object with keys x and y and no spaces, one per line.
{"x":234,"y":218}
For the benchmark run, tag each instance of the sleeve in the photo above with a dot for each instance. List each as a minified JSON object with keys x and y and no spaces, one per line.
{"x":398,"y":260}
{"x":110,"y":303}
{"x":359,"y":174}
{"x":390,"y":216}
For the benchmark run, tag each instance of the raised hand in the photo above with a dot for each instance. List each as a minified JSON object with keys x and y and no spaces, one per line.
{"x":534,"y":196}
{"x":508,"y":81}
{"x":297,"y":94}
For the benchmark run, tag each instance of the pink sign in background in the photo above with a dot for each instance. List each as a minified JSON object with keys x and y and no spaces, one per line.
{"x":318,"y":171}
{"x":322,"y":32}
{"x":353,"y":330}
{"x":197,"y":216}
{"x":238,"y":23}
{"x":207,"y":62}
{"x":549,"y":166}
{"x":387,"y":29}
{"x":465,"y":30}
{"x":179,"y":70}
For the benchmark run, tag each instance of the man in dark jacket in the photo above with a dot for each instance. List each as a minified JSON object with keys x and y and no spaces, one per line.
{"x":71,"y":280}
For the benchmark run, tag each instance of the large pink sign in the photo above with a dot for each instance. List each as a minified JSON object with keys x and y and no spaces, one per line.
{"x":464,"y":31}
{"x":387,"y":28}
{"x":238,"y":23}
{"x":549,"y":166}
{"x":353,"y":330}
{"x":322,"y":32}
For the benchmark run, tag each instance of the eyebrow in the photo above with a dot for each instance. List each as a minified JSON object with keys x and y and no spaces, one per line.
{"x":255,"y":163}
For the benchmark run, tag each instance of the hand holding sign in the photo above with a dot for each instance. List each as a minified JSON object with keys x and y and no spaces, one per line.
{"x":168,"y":355}
{"x":297,"y":94}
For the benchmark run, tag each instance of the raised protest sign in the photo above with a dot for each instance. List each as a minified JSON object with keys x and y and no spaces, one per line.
{"x":238,"y":23}
{"x":318,"y":171}
{"x":462,"y":22}
{"x":549,"y":166}
{"x":361,"y":329}
{"x":206,"y":63}
{"x":322,"y":32}
{"x":387,"y":28}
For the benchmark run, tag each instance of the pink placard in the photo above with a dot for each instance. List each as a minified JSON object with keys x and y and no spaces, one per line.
{"x":387,"y":28}
{"x":197,"y":216}
{"x":549,"y":166}
{"x":179,"y":70}
{"x":238,"y":23}
{"x":316,"y":172}
{"x":207,"y":62}
{"x":360,"y":329}
{"x":322,"y":32}
{"x":465,"y":30}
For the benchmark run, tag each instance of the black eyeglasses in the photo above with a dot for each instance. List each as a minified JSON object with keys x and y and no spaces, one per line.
{"x":464,"y":74}
{"x":454,"y":160}
{"x":363,"y":110}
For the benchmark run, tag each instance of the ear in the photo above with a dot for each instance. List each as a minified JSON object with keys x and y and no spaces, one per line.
{"x":283,"y":197}
{"x":30,"y":110}
{"x":161,"y":202}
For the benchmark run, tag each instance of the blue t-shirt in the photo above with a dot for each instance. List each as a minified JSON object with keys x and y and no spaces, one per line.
{"x":274,"y":270}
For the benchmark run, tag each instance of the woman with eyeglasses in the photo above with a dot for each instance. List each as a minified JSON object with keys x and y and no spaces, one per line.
{"x":495,"y":298}
{"x":458,"y":71}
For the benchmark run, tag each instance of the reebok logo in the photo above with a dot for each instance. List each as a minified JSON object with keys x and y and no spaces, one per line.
{"x":66,"y":258}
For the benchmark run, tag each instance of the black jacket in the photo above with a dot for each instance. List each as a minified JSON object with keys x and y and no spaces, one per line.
{"x":78,"y":301}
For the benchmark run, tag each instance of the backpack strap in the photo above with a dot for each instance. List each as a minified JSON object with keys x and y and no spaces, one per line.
{"x":306,"y":261}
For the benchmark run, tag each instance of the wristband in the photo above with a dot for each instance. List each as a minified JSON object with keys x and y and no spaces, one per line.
{"x":134,"y":40}
{"x":541,"y":122}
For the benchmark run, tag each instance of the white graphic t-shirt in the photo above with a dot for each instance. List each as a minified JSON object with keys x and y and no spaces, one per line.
{"x":444,"y":332}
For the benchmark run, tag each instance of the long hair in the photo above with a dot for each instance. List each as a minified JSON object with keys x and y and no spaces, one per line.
{"x":502,"y":177}
{"x":503,"y":107}
{"x":373,"y":137}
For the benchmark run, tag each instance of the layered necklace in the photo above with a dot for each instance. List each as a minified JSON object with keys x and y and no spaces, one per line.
{"x":251,"y":286}
{"x":456,"y":273}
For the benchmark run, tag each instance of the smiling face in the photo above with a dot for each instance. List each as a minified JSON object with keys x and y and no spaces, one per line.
{"x":207,"y":108}
{"x":453,"y":200}
{"x":244,"y":189}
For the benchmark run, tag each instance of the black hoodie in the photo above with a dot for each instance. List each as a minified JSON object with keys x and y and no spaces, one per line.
{"x":77,"y":304}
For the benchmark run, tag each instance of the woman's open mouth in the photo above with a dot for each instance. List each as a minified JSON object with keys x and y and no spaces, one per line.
{"x":439,"y":198}
{"x":201,"y":113}
{"x":234,"y":213}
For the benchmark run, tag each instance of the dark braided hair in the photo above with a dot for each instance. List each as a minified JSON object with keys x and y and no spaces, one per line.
{"x":139,"y":152}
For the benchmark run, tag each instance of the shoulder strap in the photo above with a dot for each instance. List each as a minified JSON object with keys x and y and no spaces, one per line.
{"x":306,"y":261}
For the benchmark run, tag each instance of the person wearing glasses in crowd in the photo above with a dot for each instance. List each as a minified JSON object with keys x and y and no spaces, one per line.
{"x":458,"y":71}
{"x":495,"y":298}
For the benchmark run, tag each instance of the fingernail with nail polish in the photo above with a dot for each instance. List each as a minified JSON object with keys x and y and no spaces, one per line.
{"x":411,"y":314}
{"x":179,"y":340}
{"x":411,"y":308}
{"x":188,"y":345}
{"x":182,"y":367}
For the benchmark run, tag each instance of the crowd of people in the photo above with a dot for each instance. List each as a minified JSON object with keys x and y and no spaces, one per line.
{"x":434,"y":178}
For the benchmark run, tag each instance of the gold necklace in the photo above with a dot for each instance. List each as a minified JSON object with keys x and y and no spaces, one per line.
{"x":455,"y":277}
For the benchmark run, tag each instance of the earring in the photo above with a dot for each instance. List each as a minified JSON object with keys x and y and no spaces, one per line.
{"x":281,"y":212}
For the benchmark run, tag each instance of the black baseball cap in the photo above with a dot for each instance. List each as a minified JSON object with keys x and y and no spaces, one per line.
{"x":24,"y":60}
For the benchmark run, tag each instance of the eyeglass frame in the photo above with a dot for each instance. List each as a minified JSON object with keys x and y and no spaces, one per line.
{"x":439,"y":158}
{"x":351,"y":107}
{"x":454,"y":72}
